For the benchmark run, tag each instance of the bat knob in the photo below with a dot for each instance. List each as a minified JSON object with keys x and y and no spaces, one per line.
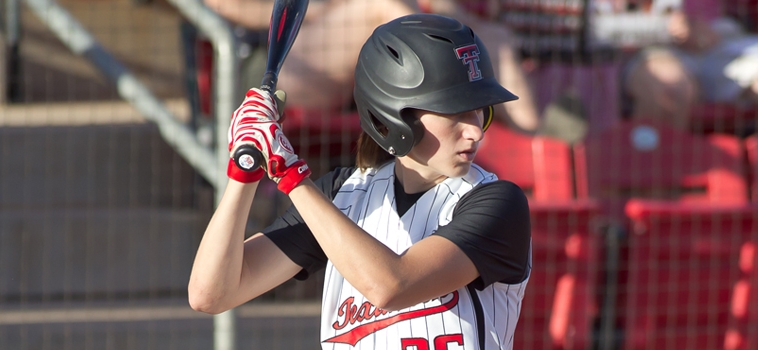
{"x":248,"y":158}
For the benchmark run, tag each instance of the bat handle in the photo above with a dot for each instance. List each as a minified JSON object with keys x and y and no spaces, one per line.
{"x":269,"y":82}
{"x":248,"y":158}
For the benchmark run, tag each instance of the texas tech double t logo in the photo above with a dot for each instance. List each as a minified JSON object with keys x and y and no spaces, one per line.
{"x":469,"y":55}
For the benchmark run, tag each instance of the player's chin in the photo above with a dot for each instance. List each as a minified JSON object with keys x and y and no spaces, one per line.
{"x":459,"y":169}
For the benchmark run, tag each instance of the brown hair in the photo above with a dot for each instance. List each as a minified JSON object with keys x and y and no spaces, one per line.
{"x":369,"y":154}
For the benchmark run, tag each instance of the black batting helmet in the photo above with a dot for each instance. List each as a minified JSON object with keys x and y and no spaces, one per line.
{"x":421,"y":61}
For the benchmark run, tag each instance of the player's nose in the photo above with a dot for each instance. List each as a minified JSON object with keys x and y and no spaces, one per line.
{"x":472,"y":125}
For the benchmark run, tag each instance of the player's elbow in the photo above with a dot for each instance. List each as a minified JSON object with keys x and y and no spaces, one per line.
{"x":204,"y":302}
{"x":389,"y":303}
{"x":206,"y":307}
{"x":387,"y":296}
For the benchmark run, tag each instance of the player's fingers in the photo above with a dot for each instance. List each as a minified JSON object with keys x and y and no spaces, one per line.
{"x":281,"y":99}
{"x":245,"y":140}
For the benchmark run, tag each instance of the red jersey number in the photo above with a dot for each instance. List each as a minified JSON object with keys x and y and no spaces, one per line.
{"x":440,"y":343}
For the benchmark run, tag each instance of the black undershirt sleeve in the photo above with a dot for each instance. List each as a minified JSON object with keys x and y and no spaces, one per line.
{"x":290,"y":233}
{"x":491,"y":224}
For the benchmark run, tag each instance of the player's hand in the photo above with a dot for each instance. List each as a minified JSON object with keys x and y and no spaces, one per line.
{"x":255,"y":122}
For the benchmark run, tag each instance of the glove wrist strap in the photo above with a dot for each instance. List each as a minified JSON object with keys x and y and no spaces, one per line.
{"x":240,"y":175}
{"x":293,"y":176}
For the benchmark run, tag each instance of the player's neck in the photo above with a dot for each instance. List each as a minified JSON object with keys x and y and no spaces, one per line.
{"x":415,"y":180}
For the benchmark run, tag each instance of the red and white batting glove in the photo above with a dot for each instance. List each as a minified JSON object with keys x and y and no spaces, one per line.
{"x":255,"y":122}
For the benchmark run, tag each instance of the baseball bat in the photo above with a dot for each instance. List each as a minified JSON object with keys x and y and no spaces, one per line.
{"x":286,"y":19}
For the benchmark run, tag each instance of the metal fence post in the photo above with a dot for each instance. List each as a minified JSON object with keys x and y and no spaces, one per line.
{"x":220,"y":34}
{"x":10,"y":79}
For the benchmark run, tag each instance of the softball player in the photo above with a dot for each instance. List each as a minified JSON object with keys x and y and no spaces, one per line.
{"x":423,"y":249}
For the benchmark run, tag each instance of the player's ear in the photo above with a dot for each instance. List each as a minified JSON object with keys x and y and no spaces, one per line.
{"x":489,"y":113}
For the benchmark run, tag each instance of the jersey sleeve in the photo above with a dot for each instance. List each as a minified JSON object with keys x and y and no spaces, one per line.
{"x":491,"y":224}
{"x":290,"y":233}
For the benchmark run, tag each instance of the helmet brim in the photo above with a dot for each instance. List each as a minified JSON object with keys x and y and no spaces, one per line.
{"x":464,"y":98}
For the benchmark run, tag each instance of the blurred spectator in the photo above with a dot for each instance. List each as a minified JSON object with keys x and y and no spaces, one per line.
{"x":675,"y":54}
{"x":711,"y":59}
{"x":319,"y":69}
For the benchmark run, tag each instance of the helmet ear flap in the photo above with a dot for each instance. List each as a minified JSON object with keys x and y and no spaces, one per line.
{"x":489,"y":113}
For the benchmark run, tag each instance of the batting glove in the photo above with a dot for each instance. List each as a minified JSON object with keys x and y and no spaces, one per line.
{"x":256,"y":122}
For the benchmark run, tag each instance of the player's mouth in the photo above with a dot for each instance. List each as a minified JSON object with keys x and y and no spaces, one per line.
{"x":468,"y":154}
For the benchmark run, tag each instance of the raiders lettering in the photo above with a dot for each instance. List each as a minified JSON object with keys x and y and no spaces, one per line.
{"x":352,"y":314}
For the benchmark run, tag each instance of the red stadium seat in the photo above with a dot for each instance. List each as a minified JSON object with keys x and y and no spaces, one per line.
{"x":683,"y":201}
{"x":751,"y":145}
{"x":689,"y":271}
{"x":742,"y":333}
{"x":560,"y":305}
{"x":541,"y":166}
{"x":649,"y":160}
{"x":723,"y":118}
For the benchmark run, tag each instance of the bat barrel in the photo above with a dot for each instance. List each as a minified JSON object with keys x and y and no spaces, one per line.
{"x":286,"y":19}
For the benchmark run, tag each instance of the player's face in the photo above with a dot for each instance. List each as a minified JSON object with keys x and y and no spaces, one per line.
{"x":449,"y":143}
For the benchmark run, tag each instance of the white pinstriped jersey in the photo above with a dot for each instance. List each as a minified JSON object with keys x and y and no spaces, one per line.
{"x":466,"y":319}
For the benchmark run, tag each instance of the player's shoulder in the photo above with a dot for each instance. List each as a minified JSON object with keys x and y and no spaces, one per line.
{"x":497,"y":193}
{"x":500,"y":188}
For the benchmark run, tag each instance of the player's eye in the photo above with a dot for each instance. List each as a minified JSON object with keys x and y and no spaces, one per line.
{"x":475,"y":117}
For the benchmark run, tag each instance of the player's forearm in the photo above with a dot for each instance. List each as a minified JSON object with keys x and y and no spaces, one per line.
{"x":366,"y":263}
{"x":217,"y":270}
